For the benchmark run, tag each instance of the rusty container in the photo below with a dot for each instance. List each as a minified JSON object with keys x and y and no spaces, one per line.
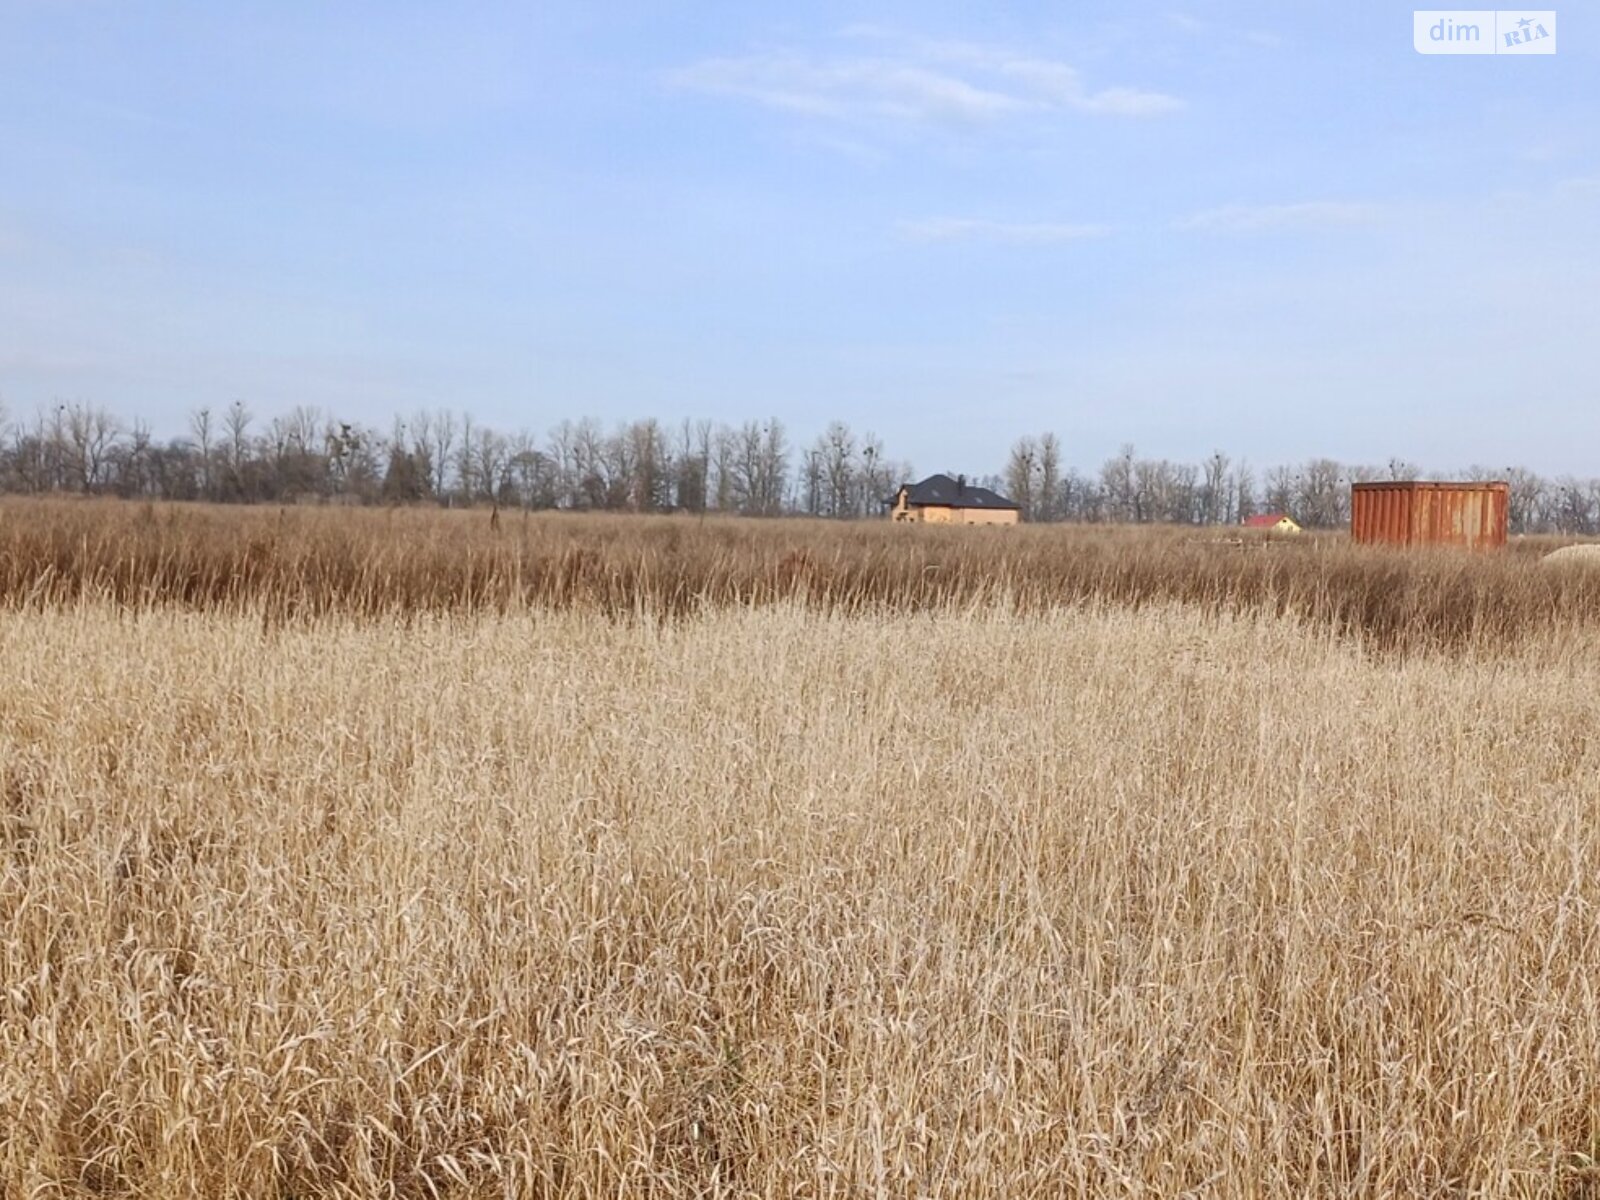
{"x":1422,"y":513}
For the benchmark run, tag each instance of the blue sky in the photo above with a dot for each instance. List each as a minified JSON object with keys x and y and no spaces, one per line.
{"x":1266,"y":228}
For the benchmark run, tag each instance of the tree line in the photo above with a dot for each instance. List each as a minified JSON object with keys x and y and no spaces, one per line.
{"x":229,"y":455}
{"x":1221,"y":491}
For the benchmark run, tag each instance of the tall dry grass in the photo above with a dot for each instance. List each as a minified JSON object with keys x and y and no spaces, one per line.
{"x":296,"y":562}
{"x":776,"y":903}
{"x":973,"y":892}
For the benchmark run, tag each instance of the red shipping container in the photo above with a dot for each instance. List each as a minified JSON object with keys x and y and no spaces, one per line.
{"x":1418,"y":513}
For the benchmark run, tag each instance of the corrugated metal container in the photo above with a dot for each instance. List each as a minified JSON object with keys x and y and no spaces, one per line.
{"x":1416,"y":513}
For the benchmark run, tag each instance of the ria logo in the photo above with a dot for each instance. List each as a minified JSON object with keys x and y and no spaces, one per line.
{"x":1527,"y":31}
{"x":1483,"y":31}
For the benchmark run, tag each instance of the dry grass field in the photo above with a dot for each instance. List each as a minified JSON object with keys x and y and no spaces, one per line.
{"x":286,"y":563}
{"x":386,"y":854}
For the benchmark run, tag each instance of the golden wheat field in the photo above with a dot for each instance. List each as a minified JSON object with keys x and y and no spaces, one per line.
{"x":391,"y":854}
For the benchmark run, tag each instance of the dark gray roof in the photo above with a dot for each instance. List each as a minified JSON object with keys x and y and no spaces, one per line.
{"x":941,"y":489}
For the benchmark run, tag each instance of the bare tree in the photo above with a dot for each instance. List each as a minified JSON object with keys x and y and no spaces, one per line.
{"x":617,"y":463}
{"x":1079,"y":498}
{"x":837,"y":447}
{"x":489,"y":458}
{"x":1281,"y":484}
{"x":91,"y":432}
{"x":649,"y":482}
{"x":303,"y":465}
{"x":705,"y":435}
{"x":561,"y":448}
{"x":344,"y":443}
{"x":1151,"y":490}
{"x":1244,"y":492}
{"x":1527,"y":492}
{"x":305,"y":422}
{"x":1323,"y":495}
{"x":407,"y":477}
{"x":589,"y":455}
{"x":441,"y":450}
{"x":200,"y":428}
{"x":876,"y":477}
{"x":1019,"y":474}
{"x":532,"y":473}
{"x":693,"y":462}
{"x":1119,"y":485}
{"x":1214,"y":490}
{"x":466,"y":463}
{"x":136,"y":461}
{"x":725,"y":456}
{"x":1046,"y":493}
{"x":1574,"y":508}
{"x":1399,"y":468}
{"x":435,"y":432}
{"x":236,"y":426}
{"x":811,"y":481}
{"x":1181,"y":497}
{"x":758,"y":466}
{"x":774,"y":474}
{"x":747,"y":468}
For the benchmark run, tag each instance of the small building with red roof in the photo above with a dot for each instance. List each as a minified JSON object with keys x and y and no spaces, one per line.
{"x":1273,"y":523}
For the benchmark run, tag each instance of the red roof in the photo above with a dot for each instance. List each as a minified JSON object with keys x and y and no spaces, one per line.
{"x":1263,"y":520}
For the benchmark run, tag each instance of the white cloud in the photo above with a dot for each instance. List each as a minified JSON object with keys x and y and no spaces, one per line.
{"x":1269,"y":218}
{"x":915,"y":82}
{"x":846,"y":88}
{"x":1224,"y":35}
{"x":954,"y":229}
{"x":1129,"y":102}
{"x":1049,"y":83}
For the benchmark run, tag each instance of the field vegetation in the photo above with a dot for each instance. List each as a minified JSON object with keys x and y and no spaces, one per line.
{"x":286,"y":562}
{"x":399,"y":853}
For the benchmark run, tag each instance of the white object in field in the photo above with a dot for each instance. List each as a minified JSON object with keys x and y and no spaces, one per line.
{"x":1582,"y":554}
